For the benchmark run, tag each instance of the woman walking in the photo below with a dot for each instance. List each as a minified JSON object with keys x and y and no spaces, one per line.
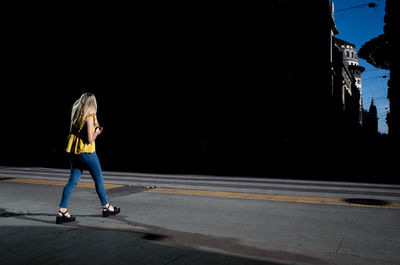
{"x":84,"y":130}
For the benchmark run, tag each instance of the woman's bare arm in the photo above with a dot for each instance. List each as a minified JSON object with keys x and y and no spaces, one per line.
{"x":91,"y":135}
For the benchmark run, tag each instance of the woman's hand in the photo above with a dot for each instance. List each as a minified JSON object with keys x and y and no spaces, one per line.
{"x":99,"y":130}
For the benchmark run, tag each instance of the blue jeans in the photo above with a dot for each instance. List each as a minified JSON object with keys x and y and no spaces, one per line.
{"x":80,"y":162}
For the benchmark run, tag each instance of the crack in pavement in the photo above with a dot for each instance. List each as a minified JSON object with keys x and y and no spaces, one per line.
{"x":340,"y":245}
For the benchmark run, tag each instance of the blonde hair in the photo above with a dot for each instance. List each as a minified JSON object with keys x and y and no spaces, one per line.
{"x":84,"y":106}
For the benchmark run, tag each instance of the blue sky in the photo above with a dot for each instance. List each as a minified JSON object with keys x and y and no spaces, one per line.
{"x":358,"y":25}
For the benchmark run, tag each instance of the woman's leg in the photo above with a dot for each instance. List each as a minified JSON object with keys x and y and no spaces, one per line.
{"x":73,"y":180}
{"x":94,"y":167}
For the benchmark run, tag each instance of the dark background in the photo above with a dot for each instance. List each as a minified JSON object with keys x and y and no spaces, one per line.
{"x":218,"y":89}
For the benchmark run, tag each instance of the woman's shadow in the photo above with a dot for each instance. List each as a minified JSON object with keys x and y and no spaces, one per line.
{"x":31,"y":216}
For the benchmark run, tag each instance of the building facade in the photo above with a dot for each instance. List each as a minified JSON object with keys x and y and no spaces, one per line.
{"x":348,"y":82}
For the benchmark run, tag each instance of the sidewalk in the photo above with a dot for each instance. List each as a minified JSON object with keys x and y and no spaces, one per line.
{"x":29,"y":235}
{"x":190,"y":228}
{"x":33,"y":239}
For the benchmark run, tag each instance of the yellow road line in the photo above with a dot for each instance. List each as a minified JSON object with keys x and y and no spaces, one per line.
{"x":269,"y":197}
{"x":57,"y":183}
{"x":221,"y":194}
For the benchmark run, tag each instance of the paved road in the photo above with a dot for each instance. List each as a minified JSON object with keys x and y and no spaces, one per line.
{"x":189,"y":219}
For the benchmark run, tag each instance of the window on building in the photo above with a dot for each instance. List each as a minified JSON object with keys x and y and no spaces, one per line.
{"x":352,"y":54}
{"x":347,"y":54}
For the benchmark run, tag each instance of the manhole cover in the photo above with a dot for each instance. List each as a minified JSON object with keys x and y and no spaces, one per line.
{"x":366,"y":201}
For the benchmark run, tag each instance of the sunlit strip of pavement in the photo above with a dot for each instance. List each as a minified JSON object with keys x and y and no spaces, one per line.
{"x":214,"y":193}
{"x":128,"y":176}
{"x":163,"y":180}
{"x":261,"y":185}
{"x":81,"y":184}
{"x":270,"y":197}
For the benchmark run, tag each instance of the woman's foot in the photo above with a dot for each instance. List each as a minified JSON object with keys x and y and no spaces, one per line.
{"x":109,"y":210}
{"x":64,"y":216}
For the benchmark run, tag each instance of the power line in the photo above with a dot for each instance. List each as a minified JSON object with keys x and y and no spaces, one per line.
{"x":370,"y":5}
{"x":376,"y":69}
{"x":375,"y":97}
{"x":376,"y":77}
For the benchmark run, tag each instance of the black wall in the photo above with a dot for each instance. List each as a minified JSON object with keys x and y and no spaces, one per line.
{"x":231,"y":89}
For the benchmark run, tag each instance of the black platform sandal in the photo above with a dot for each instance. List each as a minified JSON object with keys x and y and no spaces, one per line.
{"x":64,"y":219}
{"x":107,"y":212}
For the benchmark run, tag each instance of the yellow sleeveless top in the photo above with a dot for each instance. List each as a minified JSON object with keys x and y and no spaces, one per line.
{"x":77,"y":138}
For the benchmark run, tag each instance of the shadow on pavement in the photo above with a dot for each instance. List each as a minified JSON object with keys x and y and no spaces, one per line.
{"x":30,"y":216}
{"x":64,"y":245}
{"x":43,"y":242}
